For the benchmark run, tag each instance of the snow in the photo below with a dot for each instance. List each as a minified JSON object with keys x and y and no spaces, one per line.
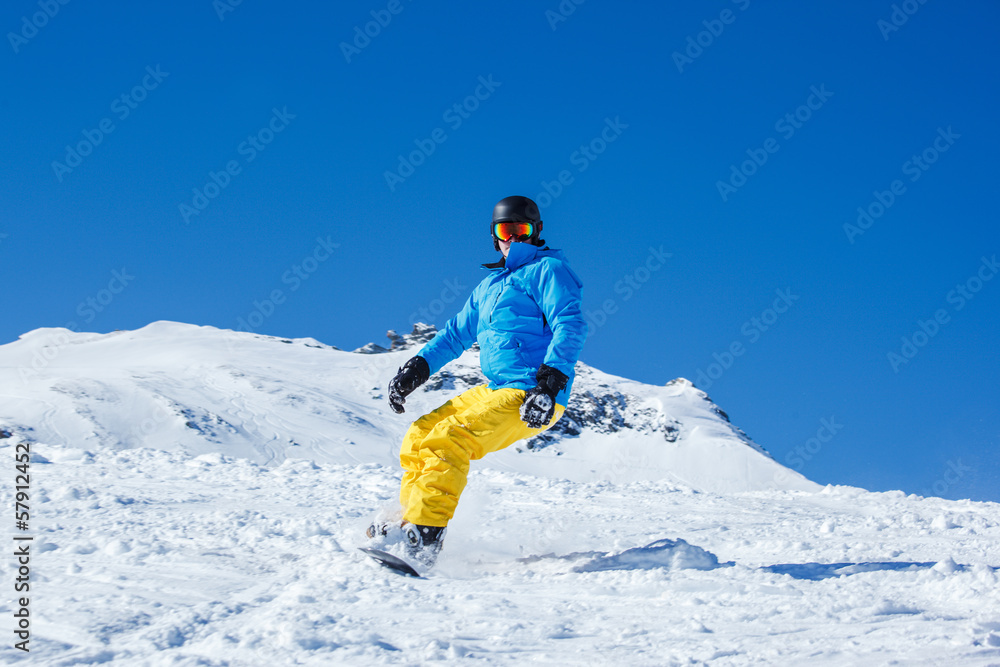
{"x":233,"y":541}
{"x":180,"y":387}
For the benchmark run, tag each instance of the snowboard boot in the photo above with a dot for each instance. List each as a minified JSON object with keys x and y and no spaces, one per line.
{"x":376,"y":530}
{"x":387,"y":518}
{"x":423,"y":543}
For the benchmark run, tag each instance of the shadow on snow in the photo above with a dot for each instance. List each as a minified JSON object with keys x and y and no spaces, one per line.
{"x":678,"y":554}
{"x":818,"y":571}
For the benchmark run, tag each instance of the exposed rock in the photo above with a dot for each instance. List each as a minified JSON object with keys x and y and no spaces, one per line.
{"x":593,"y":405}
{"x":371,"y":348}
{"x":422,"y":333}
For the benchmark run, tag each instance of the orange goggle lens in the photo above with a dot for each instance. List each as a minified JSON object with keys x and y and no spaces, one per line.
{"x":505,"y":231}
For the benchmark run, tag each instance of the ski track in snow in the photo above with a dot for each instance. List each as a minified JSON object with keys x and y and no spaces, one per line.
{"x":144,"y":557}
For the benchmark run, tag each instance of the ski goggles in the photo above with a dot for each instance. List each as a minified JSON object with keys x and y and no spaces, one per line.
{"x":505,"y":231}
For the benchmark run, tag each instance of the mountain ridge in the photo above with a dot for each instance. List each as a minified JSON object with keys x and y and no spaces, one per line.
{"x":177,"y":386}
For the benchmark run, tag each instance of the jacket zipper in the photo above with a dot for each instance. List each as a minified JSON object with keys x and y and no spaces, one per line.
{"x":496,"y":299}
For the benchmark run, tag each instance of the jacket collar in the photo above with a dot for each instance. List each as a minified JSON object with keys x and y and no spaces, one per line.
{"x":518,"y":255}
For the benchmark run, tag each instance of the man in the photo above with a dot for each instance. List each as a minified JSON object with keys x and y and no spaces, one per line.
{"x":526,"y":316}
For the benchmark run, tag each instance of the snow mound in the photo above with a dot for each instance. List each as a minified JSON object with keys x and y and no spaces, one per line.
{"x":665,"y":553}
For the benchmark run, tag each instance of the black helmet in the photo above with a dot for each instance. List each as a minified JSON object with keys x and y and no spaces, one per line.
{"x":517,"y":209}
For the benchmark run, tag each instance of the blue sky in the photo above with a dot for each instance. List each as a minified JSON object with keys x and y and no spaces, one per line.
{"x":235,"y":165}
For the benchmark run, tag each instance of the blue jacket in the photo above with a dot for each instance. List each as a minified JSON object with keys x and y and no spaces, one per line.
{"x":524,"y":314}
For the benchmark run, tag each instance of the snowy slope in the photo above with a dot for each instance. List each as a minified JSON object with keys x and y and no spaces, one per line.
{"x":197,"y":496}
{"x":145,"y":557}
{"x":179,"y":387}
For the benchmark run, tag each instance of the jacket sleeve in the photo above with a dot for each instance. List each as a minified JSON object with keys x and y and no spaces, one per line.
{"x":457,"y":336}
{"x":558,"y":292}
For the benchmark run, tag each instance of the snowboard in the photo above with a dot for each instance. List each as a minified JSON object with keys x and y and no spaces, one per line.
{"x":387,"y":560}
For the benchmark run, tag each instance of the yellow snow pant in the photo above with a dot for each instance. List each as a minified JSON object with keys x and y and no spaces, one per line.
{"x":437,"y":448}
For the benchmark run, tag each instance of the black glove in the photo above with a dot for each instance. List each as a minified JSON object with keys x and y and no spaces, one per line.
{"x":540,"y":402}
{"x":413,"y":374}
